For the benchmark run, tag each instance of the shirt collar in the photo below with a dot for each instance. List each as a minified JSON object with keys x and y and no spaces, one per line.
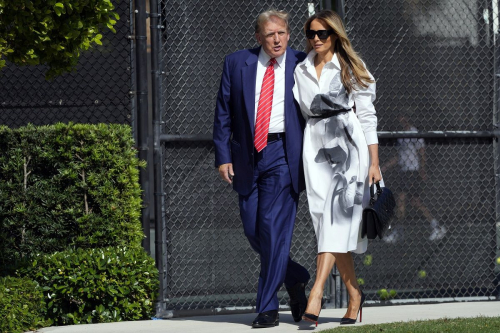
{"x":264,"y":58}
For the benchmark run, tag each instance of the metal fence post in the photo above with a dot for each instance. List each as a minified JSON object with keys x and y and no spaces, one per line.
{"x":496,"y":149}
{"x":338,"y":282}
{"x":340,"y":8}
{"x":142,"y":112}
{"x":338,"y":291}
{"x":159,"y":192}
{"x":336,"y":5}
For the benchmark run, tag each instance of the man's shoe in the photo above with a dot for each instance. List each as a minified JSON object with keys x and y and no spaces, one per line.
{"x":267,"y":319}
{"x":298,"y":300}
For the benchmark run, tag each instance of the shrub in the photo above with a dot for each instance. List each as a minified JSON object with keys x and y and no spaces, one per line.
{"x":22,"y":306}
{"x":385,"y":294}
{"x":96,"y":285}
{"x":67,"y":185}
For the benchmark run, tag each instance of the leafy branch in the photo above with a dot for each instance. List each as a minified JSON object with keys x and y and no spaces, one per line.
{"x":52,"y":32}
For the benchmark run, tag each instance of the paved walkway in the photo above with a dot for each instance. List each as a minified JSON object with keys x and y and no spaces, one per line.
{"x":329,"y":319}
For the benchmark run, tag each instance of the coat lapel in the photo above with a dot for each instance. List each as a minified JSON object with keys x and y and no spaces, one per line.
{"x":249,"y":76}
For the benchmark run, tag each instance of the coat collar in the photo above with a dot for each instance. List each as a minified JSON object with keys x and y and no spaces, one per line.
{"x":309,"y":60}
{"x":307,"y":65}
{"x":253,"y":57}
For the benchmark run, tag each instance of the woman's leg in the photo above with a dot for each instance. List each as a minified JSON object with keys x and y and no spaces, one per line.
{"x":324,"y":264}
{"x":345,"y":265}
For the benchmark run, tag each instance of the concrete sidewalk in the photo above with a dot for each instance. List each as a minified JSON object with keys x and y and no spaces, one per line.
{"x":329,"y":319}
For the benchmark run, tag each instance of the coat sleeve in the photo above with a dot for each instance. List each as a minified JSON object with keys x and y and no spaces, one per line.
{"x":222,"y":119}
{"x":297,"y":96}
{"x":363,"y":99}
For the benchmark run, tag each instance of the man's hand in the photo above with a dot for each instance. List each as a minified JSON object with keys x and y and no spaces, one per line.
{"x":226,"y":172}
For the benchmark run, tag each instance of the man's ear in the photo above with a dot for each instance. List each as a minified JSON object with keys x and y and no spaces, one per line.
{"x":257,"y":36}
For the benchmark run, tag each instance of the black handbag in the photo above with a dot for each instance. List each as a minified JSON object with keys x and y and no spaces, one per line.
{"x":377,"y":216}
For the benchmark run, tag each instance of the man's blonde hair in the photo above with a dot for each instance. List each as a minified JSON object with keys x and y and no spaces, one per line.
{"x":268,"y":16}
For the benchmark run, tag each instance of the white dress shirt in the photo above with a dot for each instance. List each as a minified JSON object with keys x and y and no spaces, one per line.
{"x":277,"y":122}
{"x":363,"y":97}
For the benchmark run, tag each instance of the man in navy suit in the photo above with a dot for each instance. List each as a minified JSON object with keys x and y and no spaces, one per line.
{"x":268,"y":180}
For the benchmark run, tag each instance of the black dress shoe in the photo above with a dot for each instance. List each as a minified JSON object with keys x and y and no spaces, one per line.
{"x":267,"y":319}
{"x":298,"y":300}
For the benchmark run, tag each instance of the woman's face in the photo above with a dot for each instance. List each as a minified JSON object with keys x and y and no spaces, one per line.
{"x":322,"y":45}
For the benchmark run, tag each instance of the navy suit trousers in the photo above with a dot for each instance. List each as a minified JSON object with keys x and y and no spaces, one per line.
{"x":268,"y":215}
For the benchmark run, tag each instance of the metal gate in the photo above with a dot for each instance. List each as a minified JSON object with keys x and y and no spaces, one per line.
{"x":435,"y":63}
{"x":99,"y":91}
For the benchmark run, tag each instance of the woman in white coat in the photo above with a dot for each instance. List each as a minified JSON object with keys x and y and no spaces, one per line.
{"x":340,"y":152}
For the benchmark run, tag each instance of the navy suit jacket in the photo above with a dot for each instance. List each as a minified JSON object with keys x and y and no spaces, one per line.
{"x":234,"y":121}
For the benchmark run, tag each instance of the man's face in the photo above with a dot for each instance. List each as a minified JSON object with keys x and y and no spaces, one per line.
{"x":273,"y":37}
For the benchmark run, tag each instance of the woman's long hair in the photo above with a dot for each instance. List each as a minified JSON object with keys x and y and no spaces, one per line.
{"x":353,"y":72}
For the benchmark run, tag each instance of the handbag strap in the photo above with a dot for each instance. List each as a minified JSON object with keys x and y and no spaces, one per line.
{"x":372,"y":192}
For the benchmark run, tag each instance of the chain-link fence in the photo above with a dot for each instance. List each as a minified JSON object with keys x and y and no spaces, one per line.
{"x":97,"y":92}
{"x":434,"y":62}
{"x":209,"y":260}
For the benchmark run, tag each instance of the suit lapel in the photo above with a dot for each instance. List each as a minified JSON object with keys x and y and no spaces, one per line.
{"x":248,"y":77}
{"x":291,"y":61}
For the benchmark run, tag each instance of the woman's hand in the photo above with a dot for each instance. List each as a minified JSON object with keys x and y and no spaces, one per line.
{"x":374,"y":174}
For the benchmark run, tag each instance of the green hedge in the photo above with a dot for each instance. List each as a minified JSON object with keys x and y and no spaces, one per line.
{"x":96,"y":285}
{"x":22,"y":306}
{"x":67,"y":185}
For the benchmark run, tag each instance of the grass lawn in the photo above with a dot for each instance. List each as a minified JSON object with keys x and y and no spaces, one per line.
{"x":480,"y":324}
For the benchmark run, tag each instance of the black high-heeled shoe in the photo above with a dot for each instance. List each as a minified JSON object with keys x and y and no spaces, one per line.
{"x":350,"y":321}
{"x":313,"y":318}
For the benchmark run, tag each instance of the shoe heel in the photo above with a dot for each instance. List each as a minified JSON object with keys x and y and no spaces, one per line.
{"x":363,"y":297}
{"x":311,"y":318}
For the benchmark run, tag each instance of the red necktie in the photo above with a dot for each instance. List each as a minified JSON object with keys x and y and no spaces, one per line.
{"x":264,"y":108}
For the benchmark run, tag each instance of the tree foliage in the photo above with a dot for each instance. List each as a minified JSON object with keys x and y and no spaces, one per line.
{"x":52,"y":32}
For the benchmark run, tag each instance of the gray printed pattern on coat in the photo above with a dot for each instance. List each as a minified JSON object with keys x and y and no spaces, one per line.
{"x":335,"y":99}
{"x":339,"y":149}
